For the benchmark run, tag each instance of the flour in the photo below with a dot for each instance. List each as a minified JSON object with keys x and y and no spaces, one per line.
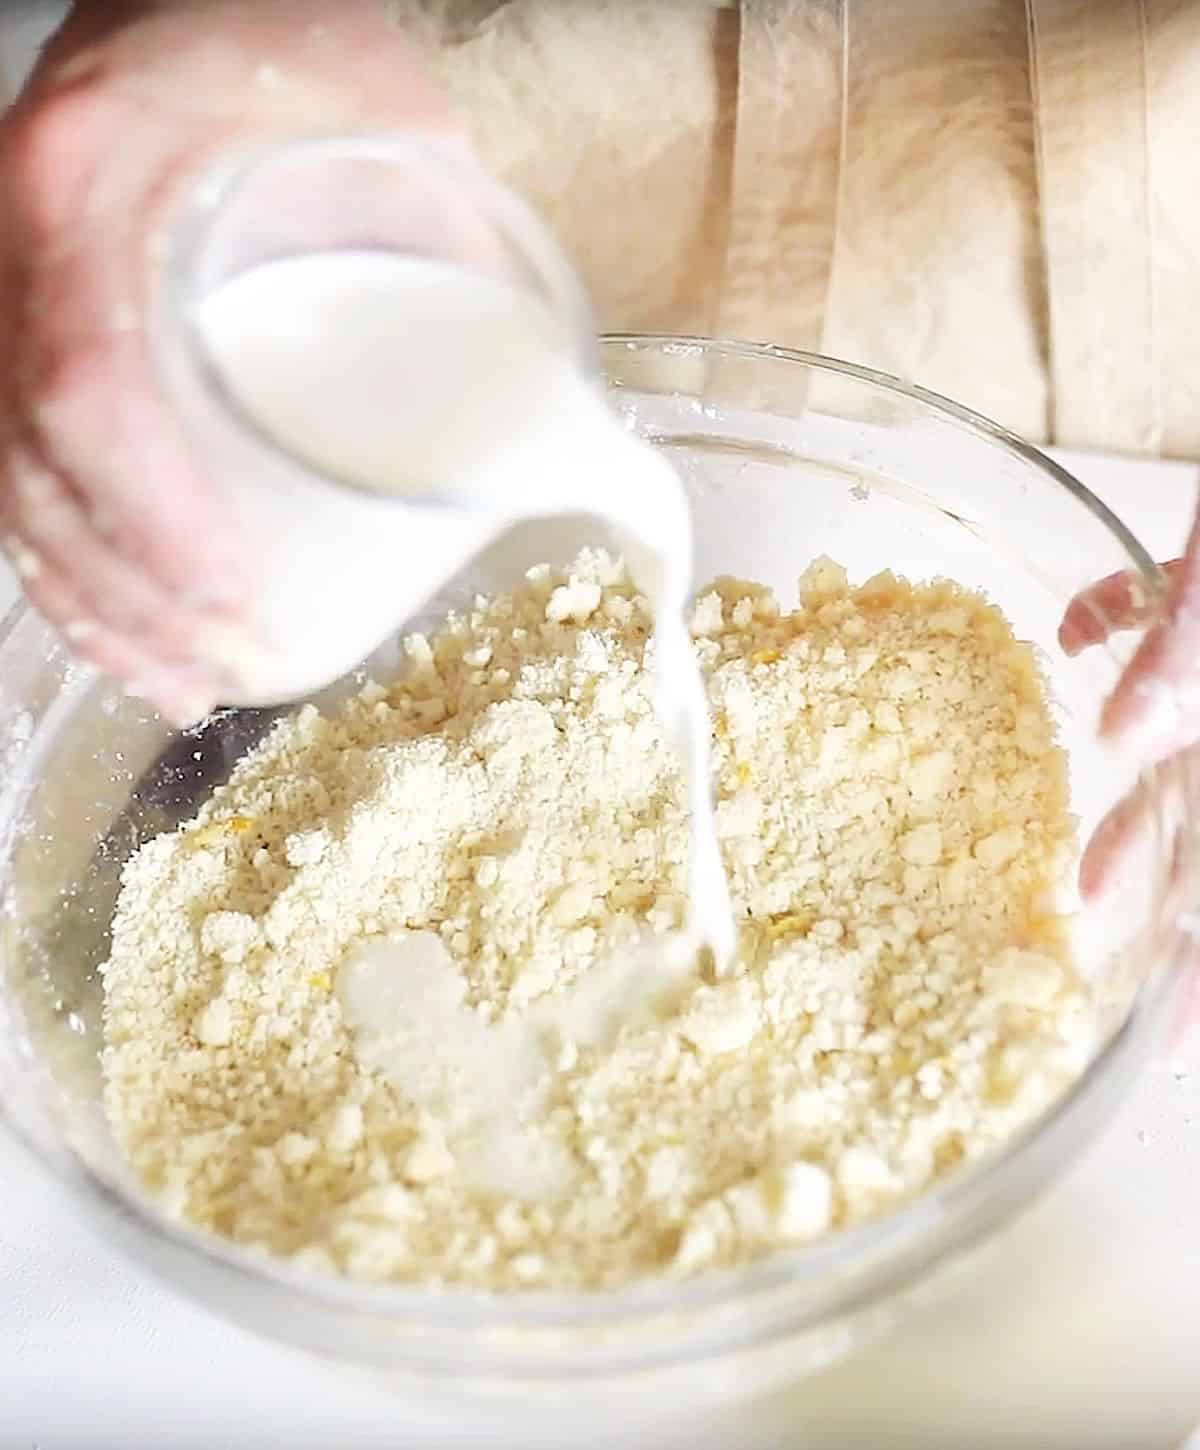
{"x":385,"y":1006}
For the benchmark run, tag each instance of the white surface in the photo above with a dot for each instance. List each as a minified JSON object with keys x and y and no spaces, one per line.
{"x":1088,"y":1334}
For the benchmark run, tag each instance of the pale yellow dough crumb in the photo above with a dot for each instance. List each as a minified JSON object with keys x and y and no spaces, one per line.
{"x":893,"y":818}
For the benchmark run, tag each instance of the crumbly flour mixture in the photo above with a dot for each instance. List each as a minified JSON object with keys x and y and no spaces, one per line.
{"x":410,"y":999}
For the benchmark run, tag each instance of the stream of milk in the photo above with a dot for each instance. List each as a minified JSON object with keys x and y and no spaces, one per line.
{"x":462,"y":396}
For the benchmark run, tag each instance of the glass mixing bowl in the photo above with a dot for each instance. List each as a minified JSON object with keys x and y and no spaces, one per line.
{"x":787,"y":457}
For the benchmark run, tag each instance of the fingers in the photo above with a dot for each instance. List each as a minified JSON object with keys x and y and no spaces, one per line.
{"x":84,"y":563}
{"x":98,"y":421}
{"x":1155,"y":813}
{"x":42,"y":514}
{"x":109,"y":608}
{"x":1154,"y":711}
{"x":1111,"y":842}
{"x":184,"y":691}
{"x":1155,"y":708}
{"x":1119,"y":602}
{"x":1145,"y":809}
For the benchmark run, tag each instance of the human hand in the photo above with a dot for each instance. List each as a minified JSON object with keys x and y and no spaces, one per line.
{"x":1154,"y":712}
{"x":118,"y":534}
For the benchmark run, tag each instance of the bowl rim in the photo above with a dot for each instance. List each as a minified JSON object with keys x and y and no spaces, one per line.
{"x":697,"y":344}
{"x":881,"y":1249}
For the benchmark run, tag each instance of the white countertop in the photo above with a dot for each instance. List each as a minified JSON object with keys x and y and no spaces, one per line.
{"x":1090,"y":1337}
